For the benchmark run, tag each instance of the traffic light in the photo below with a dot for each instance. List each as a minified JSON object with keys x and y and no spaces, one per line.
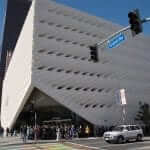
{"x":135,"y":22}
{"x":94,"y":52}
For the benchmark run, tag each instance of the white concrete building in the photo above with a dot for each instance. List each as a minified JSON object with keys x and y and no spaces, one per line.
{"x":51,"y":66}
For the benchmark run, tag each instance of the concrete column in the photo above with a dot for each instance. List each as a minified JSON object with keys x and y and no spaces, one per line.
{"x":5,"y":132}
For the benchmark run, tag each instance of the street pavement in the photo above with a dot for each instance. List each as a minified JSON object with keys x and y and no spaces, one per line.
{"x":100,"y":144}
{"x":15,"y":143}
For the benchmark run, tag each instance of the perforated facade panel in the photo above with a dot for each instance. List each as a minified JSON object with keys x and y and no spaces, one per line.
{"x":61,"y":67}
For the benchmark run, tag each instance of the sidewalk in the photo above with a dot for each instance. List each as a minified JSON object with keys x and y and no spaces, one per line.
{"x":63,"y":140}
{"x":18,"y":140}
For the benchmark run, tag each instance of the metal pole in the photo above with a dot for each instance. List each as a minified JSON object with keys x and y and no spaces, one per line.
{"x":123,"y":114}
{"x":120,"y":31}
{"x":148,"y":19}
{"x":145,"y":20}
{"x":35,"y":117}
{"x":35,"y":127}
{"x":112,"y":35}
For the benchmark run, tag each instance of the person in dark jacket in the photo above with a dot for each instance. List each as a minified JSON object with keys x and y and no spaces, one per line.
{"x":24,"y":133}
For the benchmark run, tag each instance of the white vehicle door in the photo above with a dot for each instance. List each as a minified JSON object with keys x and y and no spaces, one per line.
{"x":126,"y":132}
{"x":134,"y":131}
{"x":129,"y":132}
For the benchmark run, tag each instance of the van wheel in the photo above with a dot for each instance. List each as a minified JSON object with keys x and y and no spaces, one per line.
{"x":120,"y":140}
{"x":139,"y":137}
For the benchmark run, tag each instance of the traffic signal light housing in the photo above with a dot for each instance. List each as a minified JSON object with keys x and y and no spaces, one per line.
{"x":94,"y":53}
{"x":135,"y":22}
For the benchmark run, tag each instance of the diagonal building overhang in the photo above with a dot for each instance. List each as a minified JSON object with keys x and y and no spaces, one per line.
{"x":53,"y":49}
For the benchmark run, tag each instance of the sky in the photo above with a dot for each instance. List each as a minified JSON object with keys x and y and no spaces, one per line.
{"x":113,"y":10}
{"x":3,"y":4}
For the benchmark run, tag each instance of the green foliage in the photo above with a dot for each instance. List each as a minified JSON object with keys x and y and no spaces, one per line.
{"x":144,"y":113}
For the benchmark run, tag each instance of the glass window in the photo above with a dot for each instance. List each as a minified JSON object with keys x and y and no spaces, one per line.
{"x":51,"y":37}
{"x":93,"y":89}
{"x":66,"y":27}
{"x":95,"y":105}
{"x":75,"y":57}
{"x":86,"y":89}
{"x":51,"y":68}
{"x":78,"y":88}
{"x":59,"y":70}
{"x":59,"y":54}
{"x":68,"y":55}
{"x":137,"y":127}
{"x":40,"y":68}
{"x":60,"y":87}
{"x":87,"y":105}
{"x":68,"y":71}
{"x":134,"y":127}
{"x":128,"y":128}
{"x":69,"y":88}
{"x":51,"y":52}
{"x":58,"y":25}
{"x":101,"y":106}
{"x":42,"y":21}
{"x":118,"y":128}
{"x":59,"y":39}
{"x":51,"y":23}
{"x":74,"y":29}
{"x":41,"y":50}
{"x":100,"y":90}
{"x":76,"y":72}
{"x":84,"y":73}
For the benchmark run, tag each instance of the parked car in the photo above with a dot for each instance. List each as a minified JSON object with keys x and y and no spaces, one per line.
{"x":123,"y":133}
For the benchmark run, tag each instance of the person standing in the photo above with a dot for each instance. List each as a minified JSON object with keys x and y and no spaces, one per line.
{"x":1,"y":131}
{"x":28,"y":132}
{"x":24,"y":133}
{"x":7,"y":131}
{"x":87,"y":131}
{"x":58,"y":133}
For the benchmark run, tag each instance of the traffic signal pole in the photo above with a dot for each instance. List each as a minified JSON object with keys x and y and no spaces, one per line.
{"x":94,"y":48}
{"x":145,"y":20}
{"x":120,"y":31}
{"x":97,"y":45}
{"x":112,"y":35}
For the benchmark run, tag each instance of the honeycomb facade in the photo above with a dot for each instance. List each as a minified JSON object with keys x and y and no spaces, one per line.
{"x":52,"y":55}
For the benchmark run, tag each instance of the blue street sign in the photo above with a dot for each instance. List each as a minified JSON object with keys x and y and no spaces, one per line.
{"x":116,"y":40}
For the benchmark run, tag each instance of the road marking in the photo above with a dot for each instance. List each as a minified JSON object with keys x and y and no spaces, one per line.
{"x":20,"y":147}
{"x":49,"y":146}
{"x":116,"y":145}
{"x":82,"y":145}
{"x":141,"y":148}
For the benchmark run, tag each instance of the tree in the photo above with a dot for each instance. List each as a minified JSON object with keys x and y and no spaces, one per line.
{"x":144,"y":113}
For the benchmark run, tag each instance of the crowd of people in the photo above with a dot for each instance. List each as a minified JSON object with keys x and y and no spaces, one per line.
{"x":61,"y":131}
{"x":53,"y":131}
{"x":50,"y":131}
{"x":1,"y":131}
